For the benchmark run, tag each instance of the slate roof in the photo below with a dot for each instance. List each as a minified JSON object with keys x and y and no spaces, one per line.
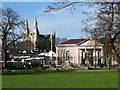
{"x":74,"y":41}
{"x":44,"y":36}
{"x":41,"y":36}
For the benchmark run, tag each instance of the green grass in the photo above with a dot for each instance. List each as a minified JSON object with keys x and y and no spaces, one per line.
{"x":101,"y":79}
{"x":0,"y":81}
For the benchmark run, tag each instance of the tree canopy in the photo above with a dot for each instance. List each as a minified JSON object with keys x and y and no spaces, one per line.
{"x":43,"y":45}
{"x":9,"y":24}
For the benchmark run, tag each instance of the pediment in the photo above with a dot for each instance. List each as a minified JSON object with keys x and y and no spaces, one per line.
{"x":91,"y":42}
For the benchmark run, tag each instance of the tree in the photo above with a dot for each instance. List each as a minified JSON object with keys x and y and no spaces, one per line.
{"x":61,"y":54}
{"x":106,"y":26}
{"x":105,"y":23}
{"x":60,"y":40}
{"x":10,"y":22}
{"x":43,"y":45}
{"x":25,"y":45}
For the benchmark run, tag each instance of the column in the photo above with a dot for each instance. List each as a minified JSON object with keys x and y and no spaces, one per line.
{"x":97,"y":57}
{"x":102,"y":61}
{"x":80,"y":56}
{"x":84,"y":54}
{"x":94,"y":57}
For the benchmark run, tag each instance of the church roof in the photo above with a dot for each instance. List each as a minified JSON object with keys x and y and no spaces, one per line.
{"x":74,"y":41}
{"x":44,"y":36}
{"x":41,"y":36}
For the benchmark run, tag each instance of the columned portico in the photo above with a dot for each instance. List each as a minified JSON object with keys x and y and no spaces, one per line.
{"x":94,"y":56}
{"x":83,"y":52}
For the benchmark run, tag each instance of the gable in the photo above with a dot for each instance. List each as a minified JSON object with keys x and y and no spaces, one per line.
{"x":91,"y":42}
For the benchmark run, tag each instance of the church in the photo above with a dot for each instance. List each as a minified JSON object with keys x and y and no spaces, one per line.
{"x":34,"y":36}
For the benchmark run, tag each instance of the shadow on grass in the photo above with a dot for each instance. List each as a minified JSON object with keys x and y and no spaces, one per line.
{"x":45,"y":72}
{"x":34,"y":72}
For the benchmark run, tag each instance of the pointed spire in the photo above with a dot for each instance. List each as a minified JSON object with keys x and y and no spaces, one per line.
{"x":35,"y":26}
{"x":26,"y":28}
{"x":35,"y":32}
{"x":35,"y":23}
{"x":26,"y":21}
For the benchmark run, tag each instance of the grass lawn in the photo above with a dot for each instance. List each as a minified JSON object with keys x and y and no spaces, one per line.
{"x":0,"y":81}
{"x":77,"y":79}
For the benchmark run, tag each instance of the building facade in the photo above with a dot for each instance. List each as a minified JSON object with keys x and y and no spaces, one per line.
{"x":35,"y":35}
{"x":80,"y":52}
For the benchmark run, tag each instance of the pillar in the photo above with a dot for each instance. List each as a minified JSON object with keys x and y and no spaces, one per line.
{"x":94,"y":56}
{"x":80,"y":56}
{"x":102,"y":61}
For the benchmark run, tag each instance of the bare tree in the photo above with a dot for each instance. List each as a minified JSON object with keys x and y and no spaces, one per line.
{"x":61,"y":54}
{"x":60,"y":40}
{"x":61,"y":5}
{"x":104,"y":23}
{"x":10,"y":22}
{"x":25,"y":45}
{"x":106,"y":26}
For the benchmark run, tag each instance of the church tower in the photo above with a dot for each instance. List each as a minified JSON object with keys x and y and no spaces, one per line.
{"x":35,"y":32}
{"x":26,"y":31}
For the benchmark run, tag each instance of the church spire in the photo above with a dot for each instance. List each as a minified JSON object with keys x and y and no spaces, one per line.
{"x":26,"y":30}
{"x":35,"y":32}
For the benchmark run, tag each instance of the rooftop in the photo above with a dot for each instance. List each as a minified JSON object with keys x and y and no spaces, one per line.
{"x":73,"y":41}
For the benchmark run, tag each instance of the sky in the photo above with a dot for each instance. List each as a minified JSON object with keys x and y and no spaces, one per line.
{"x":63,"y":22}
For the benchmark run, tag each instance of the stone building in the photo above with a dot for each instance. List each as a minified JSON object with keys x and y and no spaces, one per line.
{"x":35,"y":35}
{"x":80,"y":51}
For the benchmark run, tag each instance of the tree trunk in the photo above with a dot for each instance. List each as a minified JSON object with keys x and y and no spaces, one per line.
{"x":118,"y":63}
{"x":109,"y":64}
{"x":118,"y":67}
{"x":4,"y":53}
{"x":5,"y":58}
{"x":116,"y":53}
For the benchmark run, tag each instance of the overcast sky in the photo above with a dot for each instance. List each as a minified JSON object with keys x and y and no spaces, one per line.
{"x":64,"y":23}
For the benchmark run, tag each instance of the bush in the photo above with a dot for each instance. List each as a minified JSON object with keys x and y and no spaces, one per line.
{"x":12,"y":65}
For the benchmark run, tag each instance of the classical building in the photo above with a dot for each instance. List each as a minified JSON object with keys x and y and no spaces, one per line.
{"x":80,"y":51}
{"x":35,"y":35}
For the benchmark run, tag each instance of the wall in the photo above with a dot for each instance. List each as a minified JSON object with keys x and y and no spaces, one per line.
{"x":61,"y":52}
